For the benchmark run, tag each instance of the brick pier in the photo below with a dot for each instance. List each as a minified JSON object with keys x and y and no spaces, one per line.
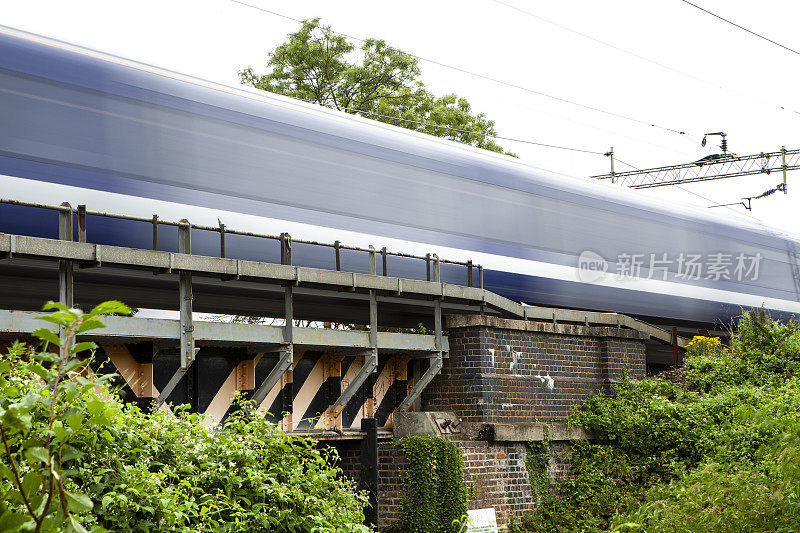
{"x":504,"y":379}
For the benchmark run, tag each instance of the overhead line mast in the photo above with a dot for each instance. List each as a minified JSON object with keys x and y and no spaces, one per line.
{"x":712,"y":167}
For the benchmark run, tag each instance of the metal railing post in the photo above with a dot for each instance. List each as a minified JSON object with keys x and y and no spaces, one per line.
{"x":428,"y":266}
{"x":286,"y":249}
{"x":155,"y":232}
{"x":373,"y":267}
{"x":373,"y":303}
{"x":221,"y":239}
{"x":65,"y":266}
{"x":82,"y":223}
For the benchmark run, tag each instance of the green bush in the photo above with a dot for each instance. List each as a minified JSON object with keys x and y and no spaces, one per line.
{"x":76,"y":459}
{"x":719,"y":453}
{"x":762,"y":352}
{"x":718,"y":498}
{"x":435,"y":497}
{"x":588,"y":500}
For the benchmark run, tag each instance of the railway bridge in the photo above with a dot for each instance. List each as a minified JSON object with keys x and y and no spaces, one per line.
{"x":351,"y":357}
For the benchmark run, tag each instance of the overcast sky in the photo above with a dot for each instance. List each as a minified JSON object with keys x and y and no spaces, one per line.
{"x":663,"y":62}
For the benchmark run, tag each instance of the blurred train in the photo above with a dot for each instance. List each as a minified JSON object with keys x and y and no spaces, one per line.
{"x":88,"y":128}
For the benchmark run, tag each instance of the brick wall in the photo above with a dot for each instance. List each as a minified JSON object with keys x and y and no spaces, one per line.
{"x":392,"y":465}
{"x":560,"y":464}
{"x":507,"y":388}
{"x":391,"y":471}
{"x":349,"y":457}
{"x":496,"y":476}
{"x":494,"y":473}
{"x":511,"y":385}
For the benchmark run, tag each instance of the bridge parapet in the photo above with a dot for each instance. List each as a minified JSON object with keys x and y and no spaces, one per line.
{"x":509,"y":371}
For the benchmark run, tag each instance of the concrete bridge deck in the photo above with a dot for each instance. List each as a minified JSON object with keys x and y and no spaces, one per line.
{"x":239,"y":287}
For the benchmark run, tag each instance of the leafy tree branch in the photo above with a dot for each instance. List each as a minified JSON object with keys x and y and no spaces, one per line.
{"x":376,"y":81}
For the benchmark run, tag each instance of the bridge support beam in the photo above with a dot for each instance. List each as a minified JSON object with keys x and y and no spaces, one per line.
{"x":370,"y":357}
{"x":436,"y":362}
{"x":186,"y":343}
{"x":435,"y":367}
{"x":284,"y":364}
{"x":370,"y":365}
{"x":65,"y":266}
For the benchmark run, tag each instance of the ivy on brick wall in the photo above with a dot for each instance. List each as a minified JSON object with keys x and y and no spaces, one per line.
{"x":536,"y":461}
{"x":435,"y":496}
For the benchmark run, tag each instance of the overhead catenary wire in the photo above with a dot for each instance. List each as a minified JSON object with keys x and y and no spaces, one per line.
{"x":600,"y":41}
{"x":450,"y":128}
{"x":641,"y":57}
{"x":749,"y":199}
{"x":680,"y":132}
{"x":751,"y":32}
{"x":612,"y":132}
{"x":683,"y":134}
{"x":492,"y":79}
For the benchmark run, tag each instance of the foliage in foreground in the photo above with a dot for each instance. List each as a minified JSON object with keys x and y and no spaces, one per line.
{"x":380,"y":82}
{"x":718,"y":454}
{"x":74,"y":458}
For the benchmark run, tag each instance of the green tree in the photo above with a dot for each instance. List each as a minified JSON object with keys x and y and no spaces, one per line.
{"x":376,"y":81}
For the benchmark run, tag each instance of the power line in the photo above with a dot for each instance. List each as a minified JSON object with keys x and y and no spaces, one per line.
{"x":449,"y":128}
{"x":638,"y":56}
{"x":604,"y":43}
{"x":611,"y":132}
{"x":741,"y":27}
{"x":747,"y":202}
{"x":491,"y":79}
